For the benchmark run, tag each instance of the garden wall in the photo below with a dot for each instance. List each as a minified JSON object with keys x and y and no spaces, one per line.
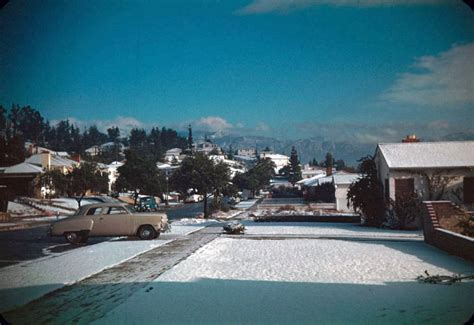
{"x":451,"y":242}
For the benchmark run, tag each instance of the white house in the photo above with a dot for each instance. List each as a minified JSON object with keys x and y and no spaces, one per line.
{"x":234,"y":166}
{"x":246,"y":152}
{"x":173,"y":155}
{"x":433,"y":170}
{"x":341,"y":182}
{"x":279,"y":160}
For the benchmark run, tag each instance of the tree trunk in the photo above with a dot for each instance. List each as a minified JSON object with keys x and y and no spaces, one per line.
{"x":205,"y":206}
{"x":79,"y":200}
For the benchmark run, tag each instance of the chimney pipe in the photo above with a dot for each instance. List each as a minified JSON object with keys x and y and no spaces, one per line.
{"x":46,"y":160}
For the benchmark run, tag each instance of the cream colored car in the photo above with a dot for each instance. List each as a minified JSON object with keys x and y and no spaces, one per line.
{"x":109,"y":219}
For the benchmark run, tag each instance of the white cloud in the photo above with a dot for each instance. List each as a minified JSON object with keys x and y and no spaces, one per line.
{"x":213,"y":124}
{"x":262,"y":127}
{"x":443,"y":80}
{"x":266,"y":6}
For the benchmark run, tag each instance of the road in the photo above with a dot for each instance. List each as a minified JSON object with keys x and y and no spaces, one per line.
{"x":28,"y":244}
{"x":188,"y":210}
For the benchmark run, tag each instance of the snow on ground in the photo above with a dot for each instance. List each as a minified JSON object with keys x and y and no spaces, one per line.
{"x":193,"y":221}
{"x":245,"y":204}
{"x":71,"y":203}
{"x":325,"y":229}
{"x":24,"y":282}
{"x":303,"y":281}
{"x":17,"y":209}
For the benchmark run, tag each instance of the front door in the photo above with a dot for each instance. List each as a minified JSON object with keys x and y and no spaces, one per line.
{"x":404,"y":187}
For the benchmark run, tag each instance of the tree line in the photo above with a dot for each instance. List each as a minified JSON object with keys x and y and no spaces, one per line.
{"x":20,"y":124}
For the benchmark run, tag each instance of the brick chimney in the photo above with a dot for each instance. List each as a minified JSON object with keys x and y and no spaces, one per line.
{"x":411,"y":138}
{"x":46,"y":160}
{"x":76,"y":157}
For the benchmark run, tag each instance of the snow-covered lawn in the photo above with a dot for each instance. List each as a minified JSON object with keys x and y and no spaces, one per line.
{"x":325,"y":229}
{"x":24,"y":282}
{"x":303,"y":281}
{"x":17,"y":209}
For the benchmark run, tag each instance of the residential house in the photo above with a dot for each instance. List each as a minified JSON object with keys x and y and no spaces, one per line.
{"x":234,"y":166}
{"x":207,"y":147}
{"x":432,"y":170}
{"x":21,"y":179}
{"x":246,"y":152}
{"x":279,"y":160}
{"x":174,"y":155}
{"x":341,"y":181}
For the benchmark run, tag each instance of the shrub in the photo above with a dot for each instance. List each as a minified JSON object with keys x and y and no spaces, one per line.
{"x":404,"y":210}
{"x":467,"y":225}
{"x":366,"y":194}
{"x":322,"y":193}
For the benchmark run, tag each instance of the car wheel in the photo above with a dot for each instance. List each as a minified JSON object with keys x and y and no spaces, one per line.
{"x":74,"y":237}
{"x":146,"y":232}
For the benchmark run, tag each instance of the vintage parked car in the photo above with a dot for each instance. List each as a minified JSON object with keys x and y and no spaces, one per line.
{"x":109,"y":219}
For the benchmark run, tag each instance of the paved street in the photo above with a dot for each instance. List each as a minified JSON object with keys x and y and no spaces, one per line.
{"x":31,"y":243}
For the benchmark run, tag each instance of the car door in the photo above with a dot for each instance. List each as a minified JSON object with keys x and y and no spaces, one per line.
{"x":116,"y":221}
{"x":97,"y":214}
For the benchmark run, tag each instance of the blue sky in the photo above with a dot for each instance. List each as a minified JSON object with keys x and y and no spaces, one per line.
{"x":366,"y":72}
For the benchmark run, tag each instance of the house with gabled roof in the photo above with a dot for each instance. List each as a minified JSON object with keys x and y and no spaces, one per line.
{"x":432,"y":170}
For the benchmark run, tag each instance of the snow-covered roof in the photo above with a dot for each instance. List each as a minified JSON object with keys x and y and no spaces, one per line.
{"x":23,"y":168}
{"x":428,"y":154}
{"x":115,"y":164}
{"x":312,"y":180}
{"x":174,"y":151}
{"x":274,"y":156}
{"x":345,"y":178}
{"x":55,"y":161}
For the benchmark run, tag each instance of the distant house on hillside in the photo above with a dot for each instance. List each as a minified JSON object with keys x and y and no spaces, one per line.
{"x":174,"y":155}
{"x":48,"y":161}
{"x":433,"y":170}
{"x":108,"y":146}
{"x":279,"y":160}
{"x":207,"y":147}
{"x":246,"y":152}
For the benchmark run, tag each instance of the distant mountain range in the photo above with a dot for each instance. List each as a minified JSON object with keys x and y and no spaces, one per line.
{"x":315,"y":147}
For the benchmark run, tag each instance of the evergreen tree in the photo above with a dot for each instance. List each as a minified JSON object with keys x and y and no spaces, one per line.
{"x":113,"y":134}
{"x":366,"y":193}
{"x":294,"y":173}
{"x":230,"y":153}
{"x":190,"y":139}
{"x":329,"y":162}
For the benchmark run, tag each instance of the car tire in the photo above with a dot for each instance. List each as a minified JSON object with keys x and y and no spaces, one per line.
{"x":74,"y":237}
{"x":146,"y":232}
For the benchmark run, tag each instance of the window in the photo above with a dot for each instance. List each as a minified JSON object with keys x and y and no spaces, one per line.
{"x":94,"y":211}
{"x":117,"y":210}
